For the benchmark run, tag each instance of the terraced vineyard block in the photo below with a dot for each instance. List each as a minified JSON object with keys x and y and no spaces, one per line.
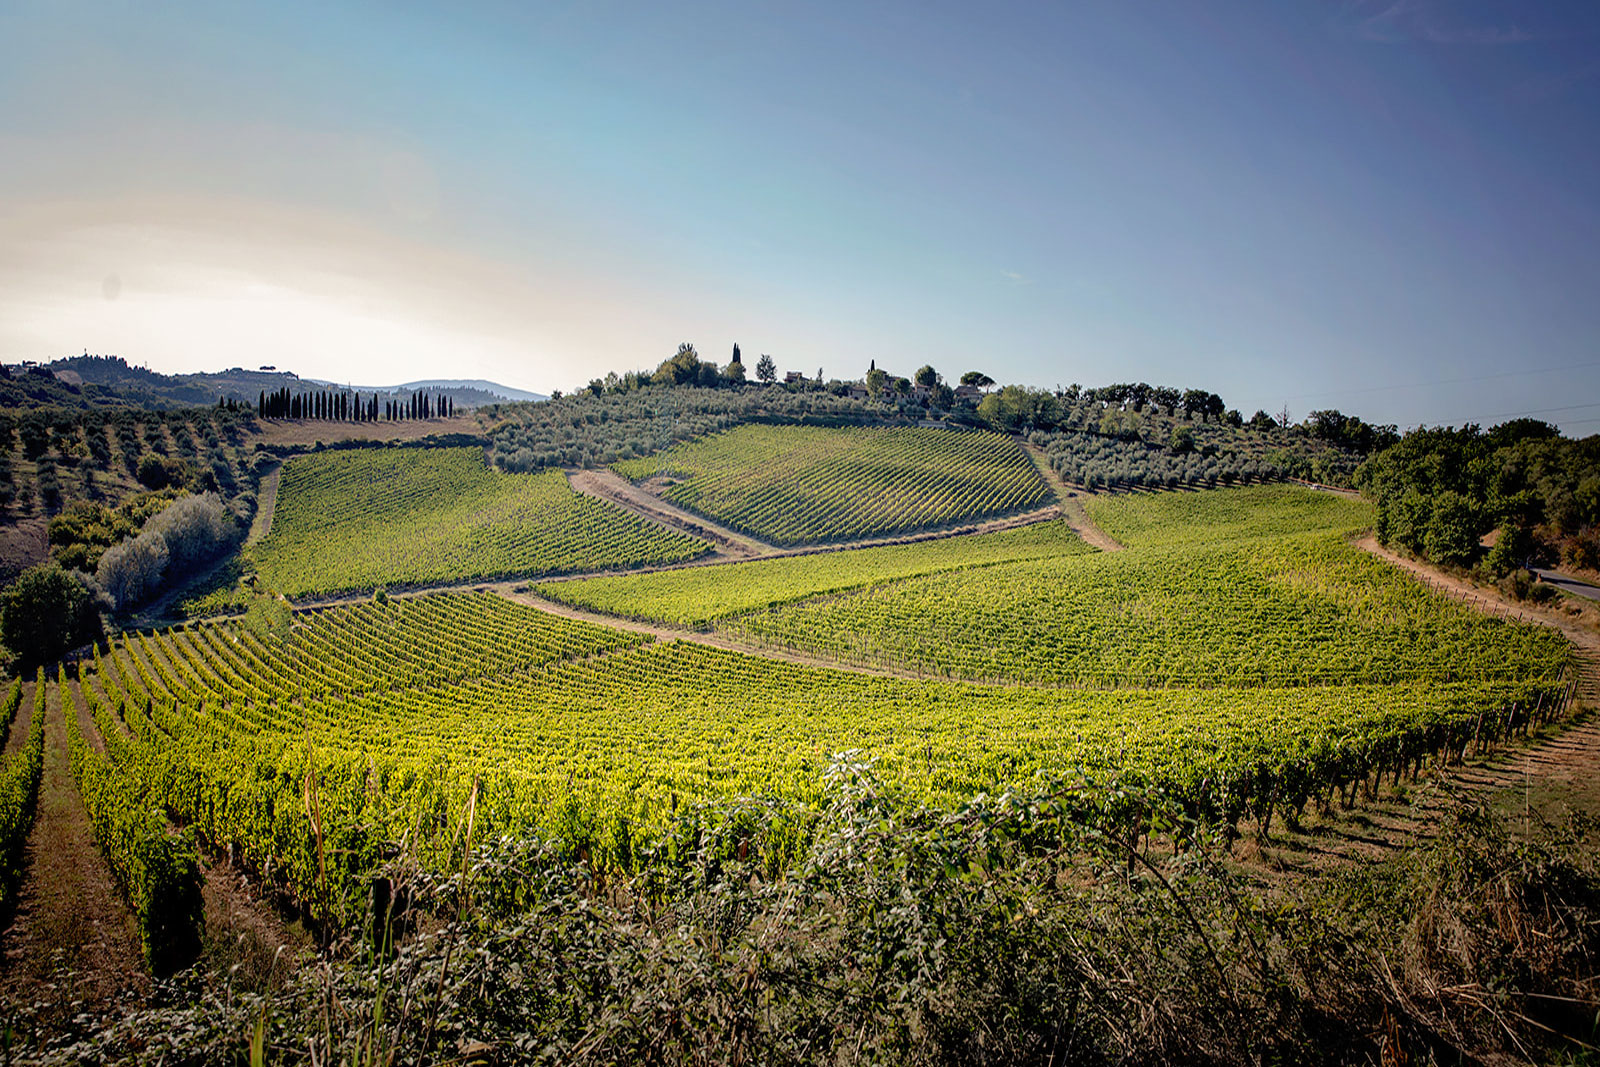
{"x":792,"y":485}
{"x":365,"y":518}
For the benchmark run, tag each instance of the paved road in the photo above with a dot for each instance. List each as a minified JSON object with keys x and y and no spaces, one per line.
{"x":1566,"y":584}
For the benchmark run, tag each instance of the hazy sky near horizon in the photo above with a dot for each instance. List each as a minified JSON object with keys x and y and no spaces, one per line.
{"x":1391,"y":207}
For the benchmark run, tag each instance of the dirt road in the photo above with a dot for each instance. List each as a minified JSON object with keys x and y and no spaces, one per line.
{"x":1072,"y":509}
{"x":615,"y":489}
{"x":266,"y":504}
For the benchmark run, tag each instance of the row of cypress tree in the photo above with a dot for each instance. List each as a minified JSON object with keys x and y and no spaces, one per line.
{"x":352,"y":407}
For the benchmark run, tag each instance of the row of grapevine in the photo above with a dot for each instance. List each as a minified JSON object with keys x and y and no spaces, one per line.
{"x":366,"y":518}
{"x":157,"y":870}
{"x":795,"y":485}
{"x":19,"y":785}
{"x":434,"y":639}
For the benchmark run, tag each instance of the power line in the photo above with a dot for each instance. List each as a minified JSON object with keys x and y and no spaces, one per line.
{"x":1449,"y":381}
{"x":1537,"y":411}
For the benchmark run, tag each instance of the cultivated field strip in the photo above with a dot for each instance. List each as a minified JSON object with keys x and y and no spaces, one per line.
{"x":1172,"y":520}
{"x":19,"y":784}
{"x":367,"y":518}
{"x":1274,"y":611}
{"x":698,"y":596}
{"x":792,"y":485}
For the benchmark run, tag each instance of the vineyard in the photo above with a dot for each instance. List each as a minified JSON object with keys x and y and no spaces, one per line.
{"x":698,"y":596}
{"x":796,"y":485}
{"x":366,"y":518}
{"x":19,"y":784}
{"x":209,"y":724}
{"x":1238,"y":662}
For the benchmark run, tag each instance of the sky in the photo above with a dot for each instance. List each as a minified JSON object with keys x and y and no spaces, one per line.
{"x":1392,"y":208}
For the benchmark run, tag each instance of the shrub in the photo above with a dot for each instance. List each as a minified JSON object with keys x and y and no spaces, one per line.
{"x":131,"y":571}
{"x":1510,"y":551}
{"x":195,"y":528}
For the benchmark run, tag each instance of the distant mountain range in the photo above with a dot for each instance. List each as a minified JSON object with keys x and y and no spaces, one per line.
{"x":102,"y":381}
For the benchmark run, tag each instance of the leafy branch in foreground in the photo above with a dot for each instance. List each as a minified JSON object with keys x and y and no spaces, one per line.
{"x":1018,"y":928}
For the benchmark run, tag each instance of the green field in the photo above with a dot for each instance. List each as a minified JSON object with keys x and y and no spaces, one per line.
{"x":1154,"y":520}
{"x":429,"y":640}
{"x":1305,"y":610}
{"x":366,"y":518}
{"x":697,"y":596}
{"x":793,"y":485}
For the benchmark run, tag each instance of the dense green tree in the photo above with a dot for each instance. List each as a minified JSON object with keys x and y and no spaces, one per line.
{"x":977,"y":378}
{"x":876,"y":380}
{"x":1511,"y":550}
{"x":47,"y":612}
{"x":1452,"y":533}
{"x":766,"y":369}
{"x":1017,"y":408}
{"x":683,"y":368}
{"x":926,"y":376}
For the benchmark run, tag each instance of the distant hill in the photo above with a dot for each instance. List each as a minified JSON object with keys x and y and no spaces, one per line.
{"x":38,"y":387}
{"x":111,"y":381}
{"x":95,"y":381}
{"x":466,"y":392}
{"x":495,"y":389}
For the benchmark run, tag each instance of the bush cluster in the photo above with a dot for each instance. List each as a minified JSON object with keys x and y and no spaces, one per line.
{"x":191,"y":531}
{"x":1440,"y":490}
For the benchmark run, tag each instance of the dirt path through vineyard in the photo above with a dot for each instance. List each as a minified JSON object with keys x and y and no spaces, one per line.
{"x":710,"y":640}
{"x":615,"y":489}
{"x":266,"y":504}
{"x":71,"y":942}
{"x":1072,"y":509}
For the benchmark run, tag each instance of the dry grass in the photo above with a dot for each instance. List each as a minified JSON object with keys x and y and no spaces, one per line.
{"x":310,"y":432}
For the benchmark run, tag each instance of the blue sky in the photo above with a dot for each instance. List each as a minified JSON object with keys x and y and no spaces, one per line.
{"x":1392,"y":208}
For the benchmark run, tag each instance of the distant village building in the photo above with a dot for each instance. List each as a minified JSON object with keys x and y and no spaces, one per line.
{"x":857,"y":391}
{"x":969,"y":392}
{"x":793,"y":376}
